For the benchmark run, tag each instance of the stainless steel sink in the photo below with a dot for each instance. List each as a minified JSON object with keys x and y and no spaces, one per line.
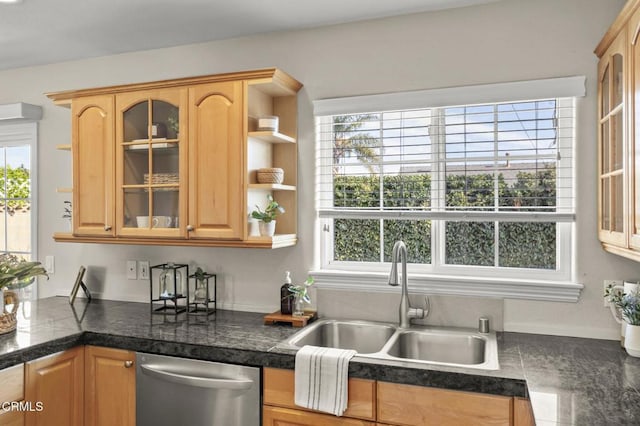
{"x":388,"y":343}
{"x":362,"y":336}
{"x":443,"y":346}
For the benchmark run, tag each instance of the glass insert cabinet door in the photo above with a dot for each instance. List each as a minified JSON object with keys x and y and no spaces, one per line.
{"x":150,"y":163}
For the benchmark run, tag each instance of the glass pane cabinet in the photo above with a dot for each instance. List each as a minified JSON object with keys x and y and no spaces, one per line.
{"x":612,"y":227}
{"x":150,"y":164}
{"x":177,"y":162}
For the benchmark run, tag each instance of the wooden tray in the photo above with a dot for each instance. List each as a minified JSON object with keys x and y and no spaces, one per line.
{"x":297,"y":321}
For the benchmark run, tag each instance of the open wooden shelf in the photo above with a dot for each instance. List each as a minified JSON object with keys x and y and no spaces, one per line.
{"x":64,"y":190}
{"x":278,"y":241}
{"x":272,"y":137}
{"x":272,"y":187}
{"x":64,"y":147}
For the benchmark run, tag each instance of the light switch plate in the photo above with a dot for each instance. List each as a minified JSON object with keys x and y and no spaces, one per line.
{"x":132,"y":270}
{"x":143,"y":270}
{"x":50,"y":264}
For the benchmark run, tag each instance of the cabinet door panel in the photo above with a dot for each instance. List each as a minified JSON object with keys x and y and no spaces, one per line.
{"x":613,"y":152}
{"x":279,"y":390}
{"x":415,"y":405}
{"x":92,"y":146}
{"x":634,"y":129}
{"x":151,"y":164}
{"x":275,"y":416}
{"x":56,"y":381}
{"x":216,"y":161}
{"x":109,"y":387}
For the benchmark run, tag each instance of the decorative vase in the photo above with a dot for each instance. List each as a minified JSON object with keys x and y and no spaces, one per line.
{"x":298,"y":306}
{"x":8,"y":320}
{"x":267,"y":229}
{"x":632,"y":340}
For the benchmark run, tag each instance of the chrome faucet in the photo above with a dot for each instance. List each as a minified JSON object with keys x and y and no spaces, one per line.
{"x":406,"y":311}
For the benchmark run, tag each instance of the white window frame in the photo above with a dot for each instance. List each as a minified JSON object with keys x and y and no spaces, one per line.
{"x":21,"y":134}
{"x":523,"y":283}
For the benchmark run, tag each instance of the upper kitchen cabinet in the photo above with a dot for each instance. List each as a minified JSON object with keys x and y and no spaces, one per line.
{"x":176,"y":162}
{"x":151,"y":163}
{"x":619,"y":134}
{"x":93,"y":159}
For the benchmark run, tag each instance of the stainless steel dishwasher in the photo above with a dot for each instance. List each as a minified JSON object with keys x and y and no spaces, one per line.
{"x":178,"y":391}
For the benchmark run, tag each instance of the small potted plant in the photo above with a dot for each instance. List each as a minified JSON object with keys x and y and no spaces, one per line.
{"x":629,"y":306}
{"x":300,"y":296}
{"x":15,"y":273}
{"x":267,"y":217}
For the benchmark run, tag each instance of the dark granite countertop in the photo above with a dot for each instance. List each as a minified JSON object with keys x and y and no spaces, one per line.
{"x":570,"y":381}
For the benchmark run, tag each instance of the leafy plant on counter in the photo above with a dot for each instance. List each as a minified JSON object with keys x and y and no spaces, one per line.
{"x":301,"y":290}
{"x":628,"y":303}
{"x":16,"y":273}
{"x":270,"y":212}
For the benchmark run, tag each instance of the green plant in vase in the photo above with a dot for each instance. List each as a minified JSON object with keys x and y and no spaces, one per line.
{"x":267,"y":217}
{"x":301,"y":296}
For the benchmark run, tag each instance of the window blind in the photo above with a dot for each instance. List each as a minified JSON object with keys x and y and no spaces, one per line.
{"x":509,"y":161}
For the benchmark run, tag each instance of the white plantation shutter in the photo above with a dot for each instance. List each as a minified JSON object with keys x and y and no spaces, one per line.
{"x":517,"y":146}
{"x":419,"y":165}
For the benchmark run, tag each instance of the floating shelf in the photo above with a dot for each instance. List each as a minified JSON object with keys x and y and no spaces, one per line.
{"x":64,"y":147}
{"x":272,"y":186}
{"x":272,"y":137}
{"x":64,"y":190}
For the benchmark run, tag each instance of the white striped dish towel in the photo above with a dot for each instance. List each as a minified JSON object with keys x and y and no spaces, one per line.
{"x":321,"y":376}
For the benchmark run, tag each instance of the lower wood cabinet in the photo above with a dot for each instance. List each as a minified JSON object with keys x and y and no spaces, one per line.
{"x":12,"y":390}
{"x":416,"y":405}
{"x":390,"y":404}
{"x":92,"y":386}
{"x":56,"y":381}
{"x":110,"y":387}
{"x":277,"y":416}
{"x":279,"y":391}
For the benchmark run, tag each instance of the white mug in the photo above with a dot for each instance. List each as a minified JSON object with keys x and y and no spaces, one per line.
{"x":162,"y":221}
{"x":142,"y":221}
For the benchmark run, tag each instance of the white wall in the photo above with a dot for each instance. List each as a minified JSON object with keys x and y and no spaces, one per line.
{"x":504,"y":41}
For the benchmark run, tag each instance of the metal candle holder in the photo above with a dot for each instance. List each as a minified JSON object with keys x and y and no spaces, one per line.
{"x":202,"y":300}
{"x":169,"y":302}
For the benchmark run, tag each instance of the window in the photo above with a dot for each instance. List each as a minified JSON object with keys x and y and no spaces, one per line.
{"x":476,"y":192}
{"x":17,"y":180}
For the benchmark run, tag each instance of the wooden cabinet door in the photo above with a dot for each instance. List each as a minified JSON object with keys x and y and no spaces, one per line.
{"x":279,"y":391}
{"x":217,"y":196}
{"x":151,"y":163}
{"x":93,"y":149}
{"x":56,"y":381}
{"x":409,"y":405}
{"x":633,"y":116}
{"x":110,"y":387}
{"x":276,"y":416}
{"x":612,"y":146}
{"x":522,"y":412}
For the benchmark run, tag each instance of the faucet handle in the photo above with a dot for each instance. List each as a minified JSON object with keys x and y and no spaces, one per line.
{"x":418,"y":313}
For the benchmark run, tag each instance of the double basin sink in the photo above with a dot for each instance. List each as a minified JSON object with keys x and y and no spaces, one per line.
{"x":447,"y":346}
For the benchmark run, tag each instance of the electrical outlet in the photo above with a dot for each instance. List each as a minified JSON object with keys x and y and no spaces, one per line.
{"x":607,"y":283}
{"x":132,"y":270}
{"x":143,"y":269}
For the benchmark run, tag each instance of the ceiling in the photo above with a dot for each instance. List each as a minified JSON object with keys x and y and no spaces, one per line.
{"x":35,"y":32}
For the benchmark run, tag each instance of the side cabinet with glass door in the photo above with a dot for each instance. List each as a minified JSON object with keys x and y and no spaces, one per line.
{"x":93,"y":159}
{"x":633,"y":62}
{"x":216,"y":161}
{"x":151,"y":163}
{"x":612,"y":191}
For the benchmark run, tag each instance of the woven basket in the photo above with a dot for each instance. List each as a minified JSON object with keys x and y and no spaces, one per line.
{"x":270,"y":175}
{"x":8,"y":320}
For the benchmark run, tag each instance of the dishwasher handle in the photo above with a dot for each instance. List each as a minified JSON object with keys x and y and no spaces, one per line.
{"x":203,"y":382}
